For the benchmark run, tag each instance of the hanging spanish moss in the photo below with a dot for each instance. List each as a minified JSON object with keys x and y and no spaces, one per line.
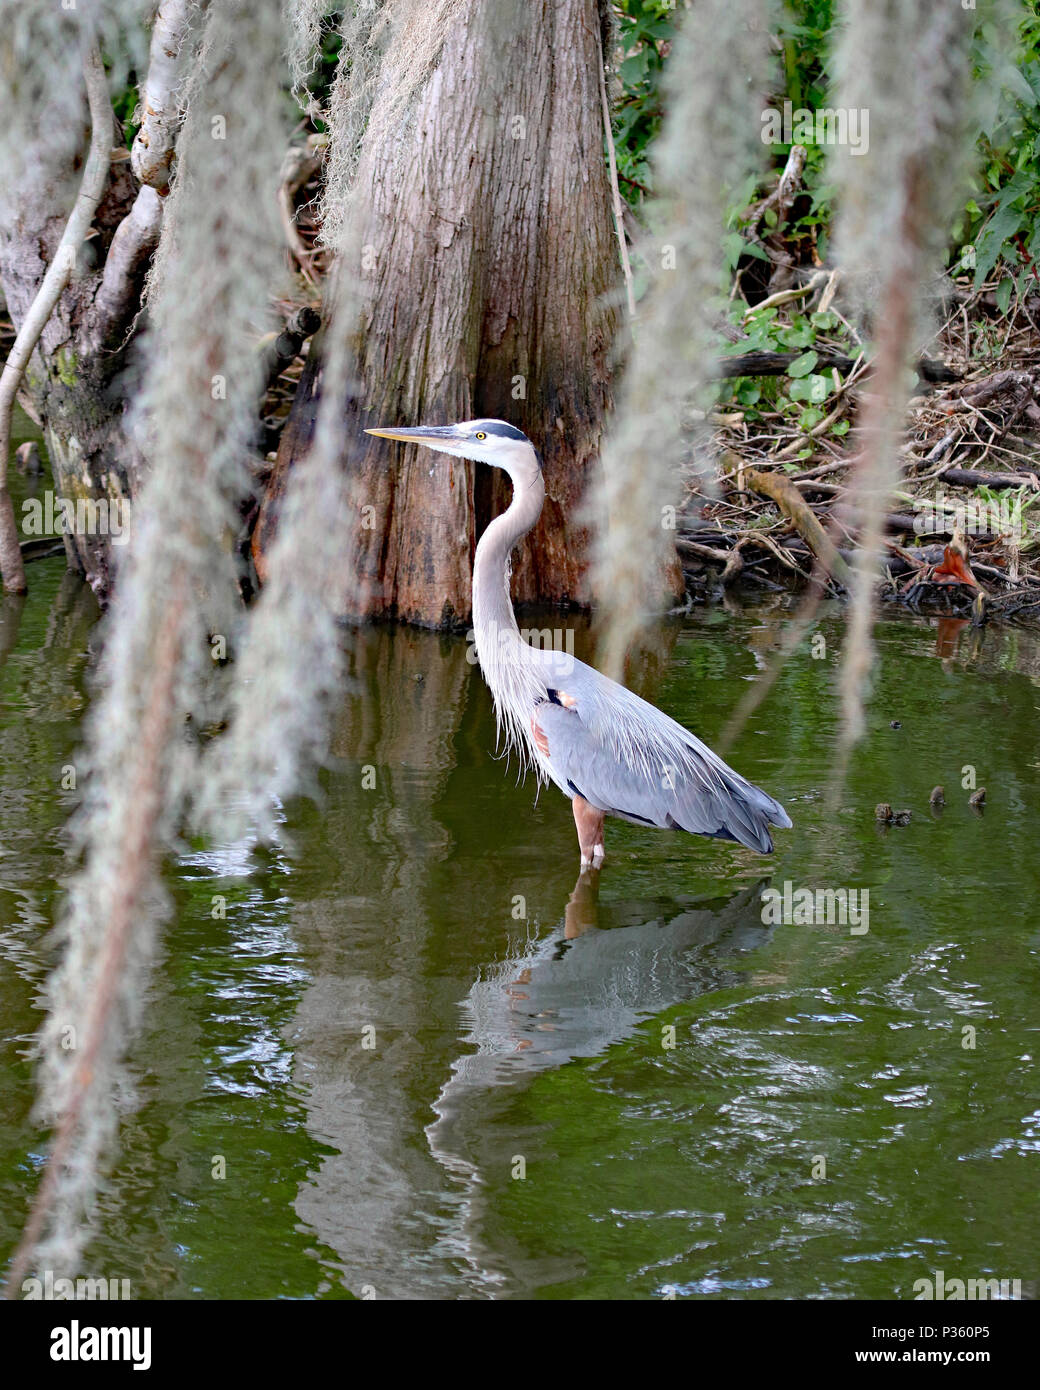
{"x":308,"y":22}
{"x":907,"y":64}
{"x":176,"y":608}
{"x":389,"y":47}
{"x":222,"y":253}
{"x":42,"y":44}
{"x":716,"y":80}
{"x":290,"y":661}
{"x":290,"y":658}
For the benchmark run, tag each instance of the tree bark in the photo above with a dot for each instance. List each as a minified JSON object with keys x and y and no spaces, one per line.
{"x":74,"y":384}
{"x":486,"y":271}
{"x":58,"y":274}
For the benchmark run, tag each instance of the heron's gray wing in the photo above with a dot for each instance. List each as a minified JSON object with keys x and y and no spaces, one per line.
{"x":629,"y":759}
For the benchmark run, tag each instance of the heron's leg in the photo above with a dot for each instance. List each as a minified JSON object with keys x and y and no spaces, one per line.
{"x":589,"y":823}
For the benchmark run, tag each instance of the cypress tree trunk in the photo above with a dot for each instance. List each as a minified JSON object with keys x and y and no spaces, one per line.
{"x":487,"y":262}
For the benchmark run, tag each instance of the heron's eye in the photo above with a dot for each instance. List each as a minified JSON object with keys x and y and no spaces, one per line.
{"x":480,"y":435}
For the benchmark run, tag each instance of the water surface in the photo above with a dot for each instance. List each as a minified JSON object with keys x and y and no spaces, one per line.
{"x":438,"y":1063}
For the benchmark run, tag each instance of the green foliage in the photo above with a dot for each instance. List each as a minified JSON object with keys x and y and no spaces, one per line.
{"x":124,"y":103}
{"x":645,"y":31}
{"x":804,"y":33}
{"x":1000,"y":225}
{"x":324,"y":75}
{"x":123,"y":83}
{"x":804,"y":393}
{"x":1014,"y":502}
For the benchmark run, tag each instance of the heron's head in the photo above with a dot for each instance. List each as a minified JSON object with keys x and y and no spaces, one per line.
{"x":485,"y":441}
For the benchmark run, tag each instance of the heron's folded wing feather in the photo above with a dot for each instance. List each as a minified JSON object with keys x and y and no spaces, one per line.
{"x":683,"y":791}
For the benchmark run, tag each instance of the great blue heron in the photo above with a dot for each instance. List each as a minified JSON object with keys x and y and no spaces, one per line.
{"x":605,"y":748}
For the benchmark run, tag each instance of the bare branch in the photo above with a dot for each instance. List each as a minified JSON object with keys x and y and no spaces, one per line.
{"x":615,"y":190}
{"x":152,"y":155}
{"x":787,"y":497}
{"x":136,"y":238}
{"x":59,"y":272}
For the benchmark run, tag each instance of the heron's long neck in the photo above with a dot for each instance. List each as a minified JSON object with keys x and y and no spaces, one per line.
{"x":493,"y":613}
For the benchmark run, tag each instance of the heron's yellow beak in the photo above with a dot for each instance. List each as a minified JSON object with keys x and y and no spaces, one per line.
{"x":421,"y":434}
{"x":390,"y":434}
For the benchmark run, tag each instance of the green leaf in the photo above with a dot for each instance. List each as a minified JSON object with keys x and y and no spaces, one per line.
{"x":732,"y":245}
{"x":802,"y":366}
{"x":748,"y":392}
{"x":998,"y":231}
{"x":814,"y":389}
{"x":633,"y":70}
{"x":1004,"y":72}
{"x":801,"y":337}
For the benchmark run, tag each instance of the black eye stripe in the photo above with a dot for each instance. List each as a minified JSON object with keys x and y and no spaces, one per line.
{"x":500,"y":430}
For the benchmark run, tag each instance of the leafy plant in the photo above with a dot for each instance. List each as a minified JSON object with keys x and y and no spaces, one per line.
{"x":803,"y":392}
{"x":1000,"y":222}
{"x":645,"y":31}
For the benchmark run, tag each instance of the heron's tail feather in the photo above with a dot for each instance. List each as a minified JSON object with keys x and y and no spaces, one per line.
{"x":745,"y":813}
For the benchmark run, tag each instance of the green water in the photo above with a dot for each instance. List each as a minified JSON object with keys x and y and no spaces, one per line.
{"x":436,"y":1064}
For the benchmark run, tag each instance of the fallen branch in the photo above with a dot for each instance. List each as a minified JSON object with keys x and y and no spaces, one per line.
{"x":283,"y":348}
{"x":786,"y":296}
{"x":976,"y":477}
{"x":981,"y":393}
{"x":900,"y":559}
{"x":702,"y":552}
{"x":779,"y":489}
{"x":777,"y":363}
